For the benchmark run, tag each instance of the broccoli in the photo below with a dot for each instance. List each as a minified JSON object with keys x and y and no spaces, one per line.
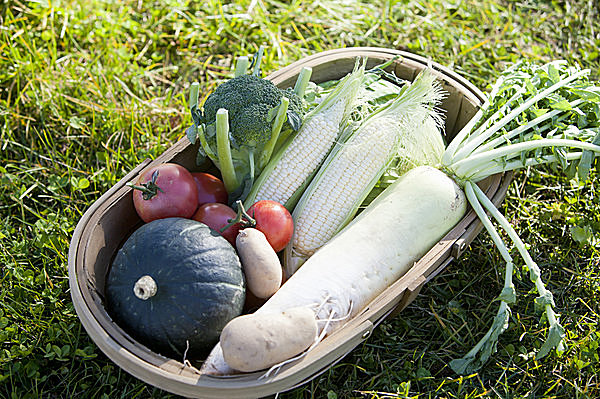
{"x":252,"y":103}
{"x":259,"y":117}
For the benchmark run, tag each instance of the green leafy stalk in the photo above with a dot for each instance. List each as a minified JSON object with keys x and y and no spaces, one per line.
{"x":503,"y":139}
{"x":480,"y":353}
{"x":480,"y":135}
{"x":224,"y":151}
{"x":537,"y":114}
{"x":280,"y":119}
{"x":520,"y":164}
{"x":544,"y":301}
{"x":467,"y":167}
{"x":302,"y":81}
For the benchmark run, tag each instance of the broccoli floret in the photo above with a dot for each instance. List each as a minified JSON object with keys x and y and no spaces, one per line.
{"x":240,"y":92}
{"x":251,"y":126}
{"x":296,"y":103}
{"x":252,"y":105}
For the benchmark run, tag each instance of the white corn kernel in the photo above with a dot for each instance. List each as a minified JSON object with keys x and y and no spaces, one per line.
{"x":304,"y":155}
{"x":342,"y":184}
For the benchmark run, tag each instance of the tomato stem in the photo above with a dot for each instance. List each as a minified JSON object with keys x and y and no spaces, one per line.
{"x":242,"y":218}
{"x":148,"y":189}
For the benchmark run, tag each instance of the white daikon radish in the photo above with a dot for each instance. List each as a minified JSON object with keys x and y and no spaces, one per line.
{"x":533,"y":116}
{"x":370,"y":253}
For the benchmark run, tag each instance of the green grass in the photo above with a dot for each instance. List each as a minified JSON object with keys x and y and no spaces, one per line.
{"x":90,"y":89}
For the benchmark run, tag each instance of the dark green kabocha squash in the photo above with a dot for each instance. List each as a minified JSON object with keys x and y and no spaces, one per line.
{"x":175,"y":282}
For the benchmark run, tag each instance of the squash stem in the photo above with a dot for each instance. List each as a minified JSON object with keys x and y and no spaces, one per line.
{"x":145,"y":288}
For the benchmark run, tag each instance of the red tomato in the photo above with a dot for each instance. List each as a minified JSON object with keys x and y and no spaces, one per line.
{"x":216,"y":216}
{"x":274,"y":221}
{"x":210,"y":188}
{"x":166,"y":190}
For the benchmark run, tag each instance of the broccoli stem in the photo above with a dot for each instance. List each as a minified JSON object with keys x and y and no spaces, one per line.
{"x":251,"y":164}
{"x":194,"y":89}
{"x":241,"y":66}
{"x":280,"y":118}
{"x":206,"y":147}
{"x":224,"y":151}
{"x":257,"y":61}
{"x":302,"y":81}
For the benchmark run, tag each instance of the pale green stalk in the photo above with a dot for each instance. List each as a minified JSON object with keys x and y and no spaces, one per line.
{"x":468,"y":166}
{"x":280,"y":119}
{"x":466,"y":130}
{"x":477,"y":138}
{"x":519,"y":164}
{"x":486,"y":346}
{"x":241,"y":66}
{"x":523,"y":128}
{"x":475,"y":155}
{"x":224,"y":151}
{"x":545,"y":299}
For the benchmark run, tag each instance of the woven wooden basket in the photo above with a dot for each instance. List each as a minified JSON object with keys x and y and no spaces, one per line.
{"x":110,"y":220}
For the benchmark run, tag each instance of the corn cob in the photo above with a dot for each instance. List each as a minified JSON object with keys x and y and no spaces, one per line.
{"x":400,"y":129}
{"x":292,"y":168}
